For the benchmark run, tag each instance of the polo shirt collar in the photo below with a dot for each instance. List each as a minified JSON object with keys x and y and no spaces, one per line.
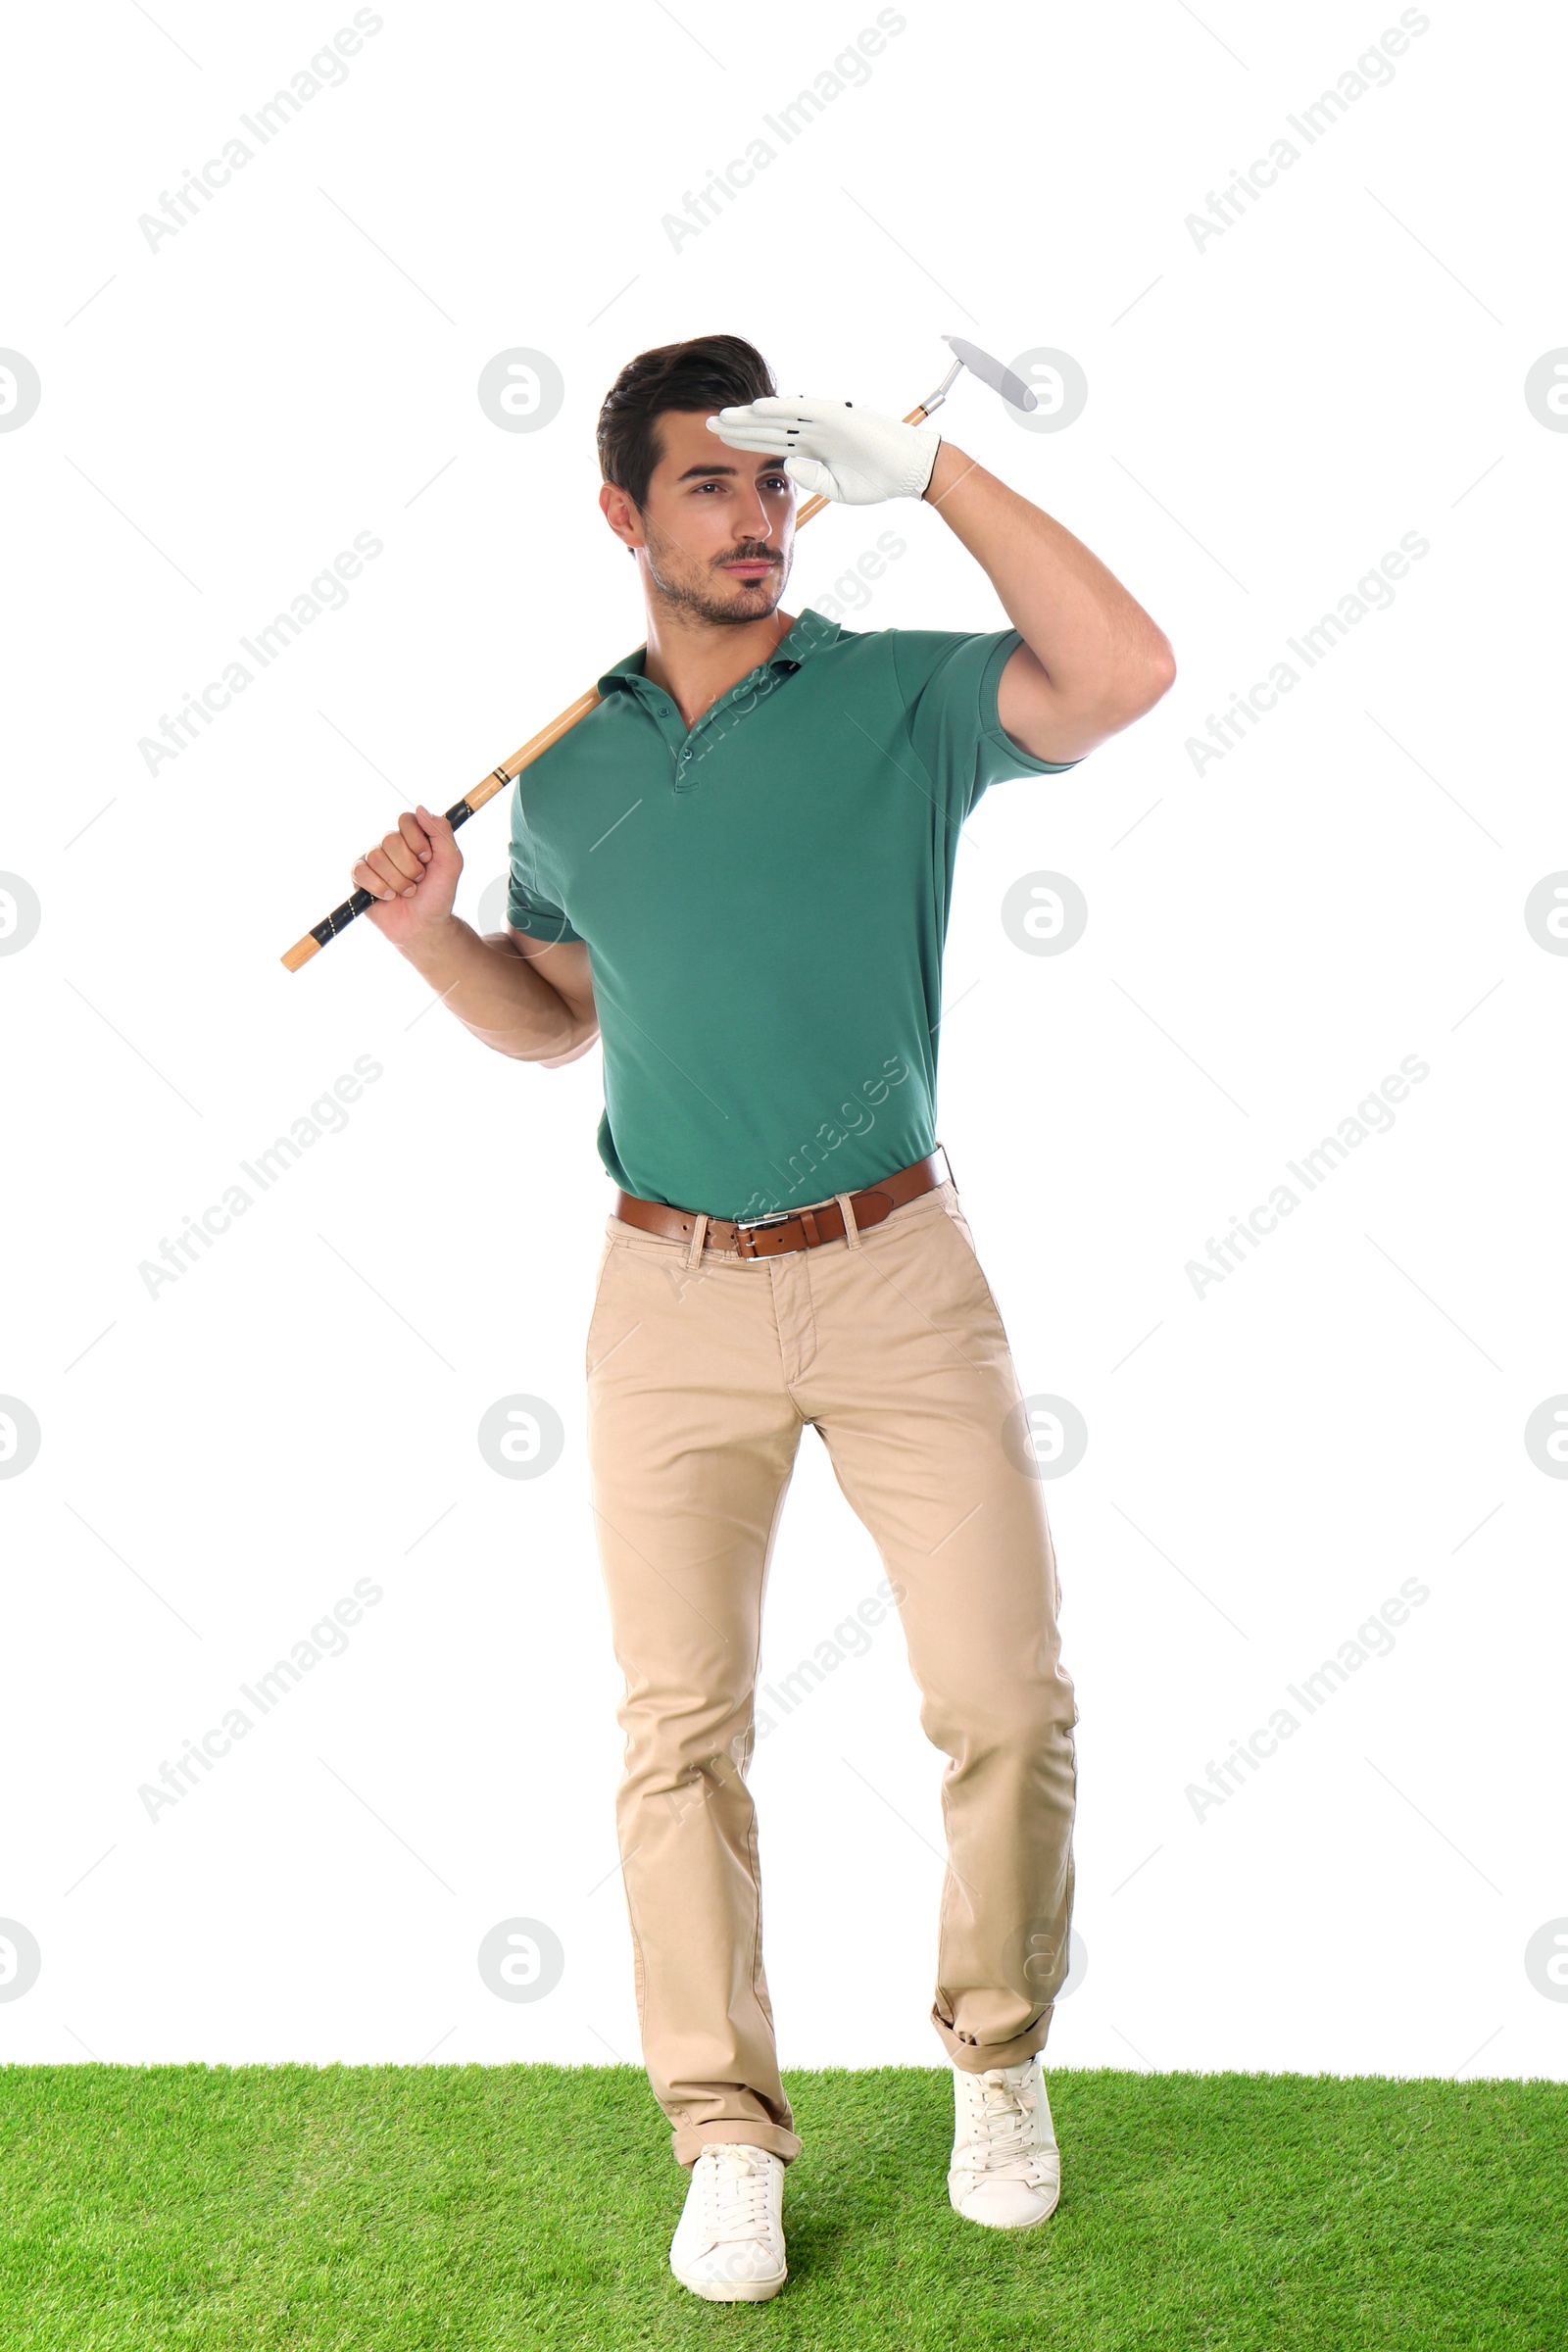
{"x":811,"y":633}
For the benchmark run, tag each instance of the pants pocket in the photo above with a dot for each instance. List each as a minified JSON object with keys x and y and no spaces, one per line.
{"x":605,"y":1254}
{"x":960,"y":1224}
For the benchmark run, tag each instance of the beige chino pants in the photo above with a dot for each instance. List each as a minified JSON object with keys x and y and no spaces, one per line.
{"x":702,"y":1372}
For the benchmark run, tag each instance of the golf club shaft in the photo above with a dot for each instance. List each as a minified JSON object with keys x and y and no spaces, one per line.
{"x":498,"y":779}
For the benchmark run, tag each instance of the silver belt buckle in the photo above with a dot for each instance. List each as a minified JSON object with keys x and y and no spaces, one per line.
{"x":776,"y":1216}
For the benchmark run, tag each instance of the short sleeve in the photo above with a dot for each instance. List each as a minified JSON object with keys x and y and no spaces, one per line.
{"x":529,"y":908}
{"x":948,"y":684}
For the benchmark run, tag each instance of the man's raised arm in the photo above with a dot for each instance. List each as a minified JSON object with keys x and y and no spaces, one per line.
{"x":1092,"y":660}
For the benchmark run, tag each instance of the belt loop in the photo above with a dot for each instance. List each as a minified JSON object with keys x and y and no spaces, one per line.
{"x":852,"y":1230}
{"x":699,"y":1232}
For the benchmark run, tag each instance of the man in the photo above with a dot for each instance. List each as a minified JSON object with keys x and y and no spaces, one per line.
{"x":737,"y":868}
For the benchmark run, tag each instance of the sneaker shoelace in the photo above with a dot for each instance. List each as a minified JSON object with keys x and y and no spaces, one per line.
{"x":1003,"y":2119}
{"x":735,"y":2200}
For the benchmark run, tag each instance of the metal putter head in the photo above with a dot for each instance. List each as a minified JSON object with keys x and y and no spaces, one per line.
{"x":990,"y":372}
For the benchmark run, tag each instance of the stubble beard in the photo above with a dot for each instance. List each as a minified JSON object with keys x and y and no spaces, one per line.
{"x":696,"y":596}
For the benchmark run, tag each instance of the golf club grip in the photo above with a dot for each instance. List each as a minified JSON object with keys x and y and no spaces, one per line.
{"x":507,"y":772}
{"x":496,"y":781}
{"x":341,"y":916}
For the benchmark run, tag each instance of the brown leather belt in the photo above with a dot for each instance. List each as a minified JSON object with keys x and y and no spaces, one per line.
{"x":790,"y":1228}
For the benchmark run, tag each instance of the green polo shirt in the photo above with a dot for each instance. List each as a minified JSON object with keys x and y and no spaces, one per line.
{"x":765,"y":900}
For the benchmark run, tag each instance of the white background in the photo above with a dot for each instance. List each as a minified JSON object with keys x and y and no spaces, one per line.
{"x":1266,"y":1463}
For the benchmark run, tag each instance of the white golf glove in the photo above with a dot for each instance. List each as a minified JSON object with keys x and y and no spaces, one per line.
{"x":834,"y":449}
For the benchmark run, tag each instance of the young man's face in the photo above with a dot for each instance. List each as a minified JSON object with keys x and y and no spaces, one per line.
{"x":716,"y":533}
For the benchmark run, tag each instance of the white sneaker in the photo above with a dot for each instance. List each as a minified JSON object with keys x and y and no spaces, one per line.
{"x":1006,"y":2172}
{"x":728,"y":2247}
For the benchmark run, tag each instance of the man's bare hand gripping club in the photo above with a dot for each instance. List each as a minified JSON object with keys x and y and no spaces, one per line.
{"x":530,"y":998}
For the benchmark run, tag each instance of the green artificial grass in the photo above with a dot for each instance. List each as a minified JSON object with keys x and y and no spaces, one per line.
{"x":379,"y":2209}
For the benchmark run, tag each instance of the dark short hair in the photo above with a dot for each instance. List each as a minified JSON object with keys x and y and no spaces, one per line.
{"x":710,"y":371}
